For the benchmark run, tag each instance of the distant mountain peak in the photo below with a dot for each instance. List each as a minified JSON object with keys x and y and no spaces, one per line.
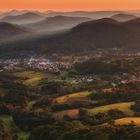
{"x":31,"y":14}
{"x":108,"y":20}
{"x":123,"y":17}
{"x":97,"y":22}
{"x":22,"y":16}
{"x":65,"y":17}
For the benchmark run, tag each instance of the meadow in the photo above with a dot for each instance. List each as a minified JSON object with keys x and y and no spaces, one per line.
{"x":63,"y":99}
{"x":124,"y":107}
{"x":128,"y":120}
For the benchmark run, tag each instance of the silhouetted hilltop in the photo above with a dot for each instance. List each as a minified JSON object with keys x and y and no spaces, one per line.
{"x":8,"y":30}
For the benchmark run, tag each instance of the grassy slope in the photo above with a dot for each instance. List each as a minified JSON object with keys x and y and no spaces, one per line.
{"x":7,"y":122}
{"x":33,"y":78}
{"x":30,"y":104}
{"x":128,"y":120}
{"x":124,"y":107}
{"x":23,"y":135}
{"x":61,"y":114}
{"x":63,"y":99}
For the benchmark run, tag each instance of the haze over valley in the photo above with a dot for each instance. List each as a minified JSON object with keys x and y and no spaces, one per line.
{"x":58,"y":32}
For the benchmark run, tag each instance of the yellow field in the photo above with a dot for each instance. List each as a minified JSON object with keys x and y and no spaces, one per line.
{"x":30,"y":104}
{"x":33,"y":78}
{"x":128,"y":120}
{"x":124,"y":107}
{"x":63,"y":99}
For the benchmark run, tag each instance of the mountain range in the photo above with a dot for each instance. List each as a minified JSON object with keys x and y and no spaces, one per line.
{"x":64,"y":33}
{"x":89,"y":14}
{"x":87,"y":36}
{"x":57,"y":23}
{"x":22,"y":18}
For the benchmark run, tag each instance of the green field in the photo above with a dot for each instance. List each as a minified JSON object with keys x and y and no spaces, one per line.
{"x":23,"y":135}
{"x":30,"y":104}
{"x":7,"y":122}
{"x":124,"y":107}
{"x":64,"y":74}
{"x":31,"y":78}
{"x":63,"y":99}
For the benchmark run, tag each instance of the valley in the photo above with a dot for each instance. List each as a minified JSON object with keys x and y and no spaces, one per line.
{"x":68,"y":89}
{"x":69,"y":75}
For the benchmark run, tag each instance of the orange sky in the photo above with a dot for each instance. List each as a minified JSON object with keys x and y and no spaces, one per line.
{"x":70,"y":4}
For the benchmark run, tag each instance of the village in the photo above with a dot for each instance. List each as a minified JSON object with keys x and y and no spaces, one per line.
{"x":46,"y":65}
{"x":42,"y":64}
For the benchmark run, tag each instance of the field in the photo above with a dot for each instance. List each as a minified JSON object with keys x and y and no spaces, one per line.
{"x":30,"y":104}
{"x":124,"y":107}
{"x":7,"y":122}
{"x":23,"y":135}
{"x":63,"y":99}
{"x":31,"y":78}
{"x":128,"y":120}
{"x":73,"y":113}
{"x":64,"y":75}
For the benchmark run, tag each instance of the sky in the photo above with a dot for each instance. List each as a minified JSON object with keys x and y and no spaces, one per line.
{"x":70,"y":5}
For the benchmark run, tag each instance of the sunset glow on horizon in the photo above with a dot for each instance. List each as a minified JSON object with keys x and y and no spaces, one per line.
{"x":68,"y":5}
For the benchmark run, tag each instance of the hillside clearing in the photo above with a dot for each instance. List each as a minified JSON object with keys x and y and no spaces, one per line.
{"x":124,"y":107}
{"x":73,"y":113}
{"x":7,"y":122}
{"x":31,"y":78}
{"x":128,"y":120}
{"x":63,"y":99}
